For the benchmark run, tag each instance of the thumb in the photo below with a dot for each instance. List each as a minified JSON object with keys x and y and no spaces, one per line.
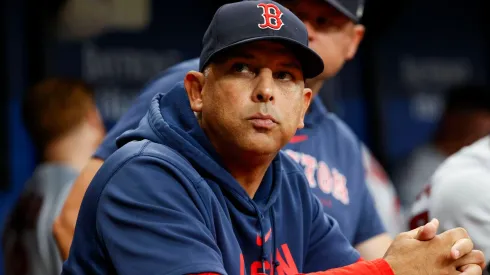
{"x":425,"y":232}
{"x":428,"y":231}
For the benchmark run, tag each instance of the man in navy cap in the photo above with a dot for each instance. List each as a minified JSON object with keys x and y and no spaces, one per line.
{"x":201,"y":187}
{"x":338,"y":167}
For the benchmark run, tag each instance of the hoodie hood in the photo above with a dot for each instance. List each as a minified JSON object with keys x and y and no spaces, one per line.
{"x":171,"y":121}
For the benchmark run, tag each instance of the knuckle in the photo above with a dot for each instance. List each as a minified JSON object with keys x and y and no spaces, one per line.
{"x":467,"y":242}
{"x":479,"y":255}
{"x":401,"y":236}
{"x":462,"y":232}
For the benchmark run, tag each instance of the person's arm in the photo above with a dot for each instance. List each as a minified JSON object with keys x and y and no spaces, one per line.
{"x":145,"y":227}
{"x":374,"y":248}
{"x":371,"y":239}
{"x":149,"y":219}
{"x":408,"y":254}
{"x":421,"y":251}
{"x":377,"y":267}
{"x":64,"y":224}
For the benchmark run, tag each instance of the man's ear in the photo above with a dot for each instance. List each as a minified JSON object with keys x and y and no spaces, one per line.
{"x":194,"y":83}
{"x":95,"y":120}
{"x":357,"y":36}
{"x":307,"y":96}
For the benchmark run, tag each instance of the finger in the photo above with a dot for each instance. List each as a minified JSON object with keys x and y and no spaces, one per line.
{"x":471,"y":270}
{"x":464,"y":267}
{"x":461,"y":248}
{"x":428,"y":231}
{"x":455,"y":234}
{"x":475,"y":257}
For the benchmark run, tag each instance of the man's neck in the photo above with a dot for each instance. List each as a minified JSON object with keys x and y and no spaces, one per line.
{"x":72,"y":150}
{"x":248,"y":170}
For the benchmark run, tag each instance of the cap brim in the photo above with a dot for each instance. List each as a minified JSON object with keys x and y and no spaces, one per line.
{"x":311,"y":62}
{"x":336,"y":4}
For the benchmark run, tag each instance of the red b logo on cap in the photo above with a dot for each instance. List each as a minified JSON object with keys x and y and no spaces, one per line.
{"x":272,"y":16}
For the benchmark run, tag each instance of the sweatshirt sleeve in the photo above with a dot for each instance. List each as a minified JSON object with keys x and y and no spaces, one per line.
{"x":376,"y":267}
{"x":148,"y":220}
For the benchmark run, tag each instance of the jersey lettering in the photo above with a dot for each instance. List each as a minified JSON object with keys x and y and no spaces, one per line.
{"x":310,"y":165}
{"x":325,"y":179}
{"x":340,"y":187}
{"x":329,"y":181}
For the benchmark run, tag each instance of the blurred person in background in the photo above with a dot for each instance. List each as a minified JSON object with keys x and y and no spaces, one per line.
{"x":335,"y":32}
{"x":64,"y":124}
{"x":458,"y":194}
{"x":331,"y":155}
{"x":466,"y":119}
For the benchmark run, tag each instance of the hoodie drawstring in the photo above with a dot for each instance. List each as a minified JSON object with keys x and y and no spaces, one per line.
{"x":274,"y":240}
{"x":265,"y":256}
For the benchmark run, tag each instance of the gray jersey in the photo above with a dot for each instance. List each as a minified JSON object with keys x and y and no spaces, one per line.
{"x":29,"y":234}
{"x":458,"y":195}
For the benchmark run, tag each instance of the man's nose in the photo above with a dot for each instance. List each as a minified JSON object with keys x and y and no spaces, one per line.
{"x":264,"y":90}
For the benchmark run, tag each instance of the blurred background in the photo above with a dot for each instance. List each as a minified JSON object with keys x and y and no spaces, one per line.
{"x":392,"y":94}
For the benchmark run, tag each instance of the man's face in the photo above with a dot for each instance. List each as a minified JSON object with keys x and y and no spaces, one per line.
{"x":94,"y":119}
{"x":478,"y":126}
{"x":253,"y":100}
{"x":331,"y":34}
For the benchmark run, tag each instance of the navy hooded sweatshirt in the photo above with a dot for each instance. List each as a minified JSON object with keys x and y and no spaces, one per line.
{"x":327,"y":150}
{"x":164,"y":204}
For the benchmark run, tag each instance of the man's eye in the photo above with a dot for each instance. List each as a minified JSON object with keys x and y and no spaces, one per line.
{"x":240,"y":67}
{"x":321,"y":21}
{"x":284,"y":76}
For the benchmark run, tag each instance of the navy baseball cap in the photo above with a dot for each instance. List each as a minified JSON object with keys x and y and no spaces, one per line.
{"x":248,"y":21}
{"x":353,"y":9}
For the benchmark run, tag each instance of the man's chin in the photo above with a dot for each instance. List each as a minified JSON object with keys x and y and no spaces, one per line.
{"x":261,"y":146}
